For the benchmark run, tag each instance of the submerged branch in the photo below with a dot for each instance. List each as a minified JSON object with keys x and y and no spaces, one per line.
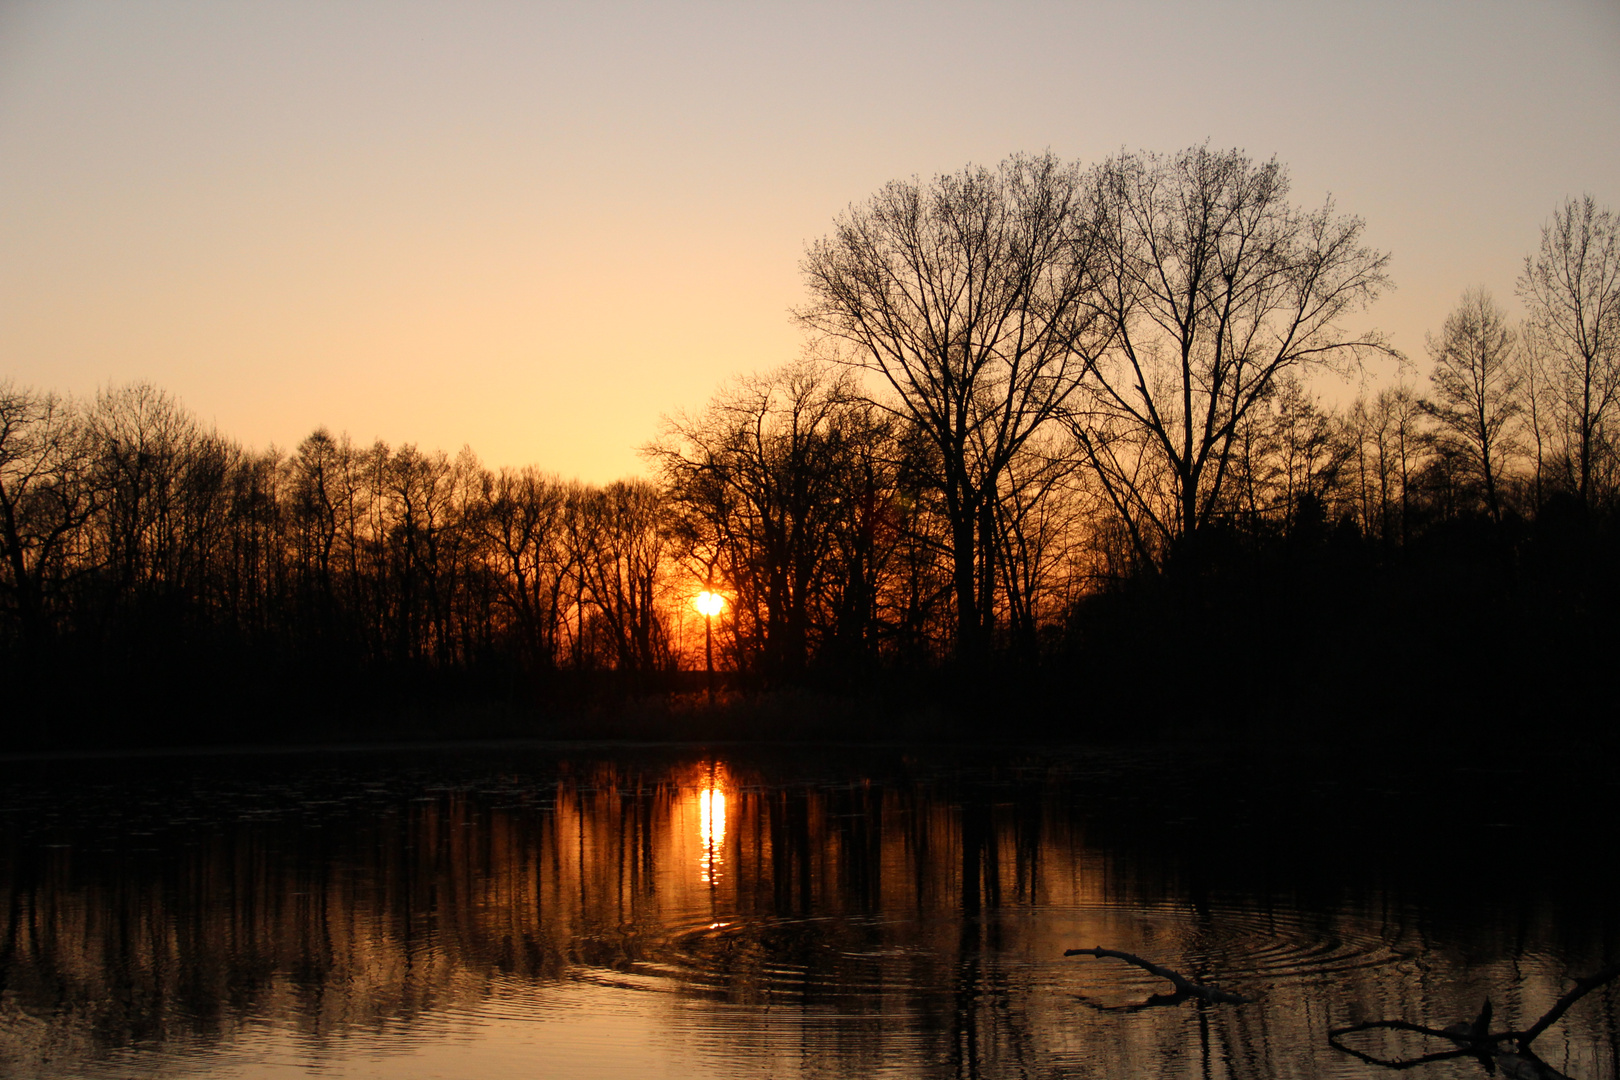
{"x":1185,"y":987}
{"x":1581,"y":988}
{"x":1508,"y":1051}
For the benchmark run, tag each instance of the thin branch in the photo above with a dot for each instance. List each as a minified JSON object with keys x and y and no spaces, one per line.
{"x":1185,"y":987}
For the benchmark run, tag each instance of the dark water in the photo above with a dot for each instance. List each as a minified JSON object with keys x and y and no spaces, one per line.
{"x":554,"y":911}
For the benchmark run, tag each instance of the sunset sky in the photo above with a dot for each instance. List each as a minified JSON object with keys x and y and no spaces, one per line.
{"x":534,"y":228}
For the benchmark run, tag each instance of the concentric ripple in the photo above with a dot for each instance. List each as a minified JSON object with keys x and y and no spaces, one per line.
{"x":862,"y":962}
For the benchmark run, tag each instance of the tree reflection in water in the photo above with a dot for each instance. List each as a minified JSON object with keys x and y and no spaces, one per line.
{"x":620,"y":913}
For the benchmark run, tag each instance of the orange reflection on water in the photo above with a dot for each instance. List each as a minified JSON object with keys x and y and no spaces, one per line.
{"x":712,"y":832}
{"x":712,"y":781}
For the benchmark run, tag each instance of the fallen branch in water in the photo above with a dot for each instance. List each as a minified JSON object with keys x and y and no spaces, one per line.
{"x":1506,"y":1050}
{"x":1186,"y":989}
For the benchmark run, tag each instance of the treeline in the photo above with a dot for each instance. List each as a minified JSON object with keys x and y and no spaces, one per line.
{"x":147,"y":550}
{"x":1060,"y":439}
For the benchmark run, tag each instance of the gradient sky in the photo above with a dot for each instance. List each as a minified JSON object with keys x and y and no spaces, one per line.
{"x":535,"y":228}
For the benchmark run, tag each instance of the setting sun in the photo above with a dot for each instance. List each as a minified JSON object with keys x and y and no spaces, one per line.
{"x":629,"y":538}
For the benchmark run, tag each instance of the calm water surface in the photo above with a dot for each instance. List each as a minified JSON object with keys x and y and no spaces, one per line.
{"x":545,"y":911}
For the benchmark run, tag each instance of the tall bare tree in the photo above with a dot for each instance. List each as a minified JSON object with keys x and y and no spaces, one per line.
{"x":1216,"y":286}
{"x":46,"y":498}
{"x":1304,"y":455}
{"x":1572,"y":290}
{"x":1476,"y":384}
{"x":317,"y":499}
{"x":1385,"y":449}
{"x":966,"y":297}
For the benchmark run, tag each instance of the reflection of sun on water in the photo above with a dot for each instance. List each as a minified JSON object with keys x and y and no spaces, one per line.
{"x":712,"y":829}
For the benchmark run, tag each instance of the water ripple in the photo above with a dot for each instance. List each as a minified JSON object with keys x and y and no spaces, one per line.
{"x":923,"y":956}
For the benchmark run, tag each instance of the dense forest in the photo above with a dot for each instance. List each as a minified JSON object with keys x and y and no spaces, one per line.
{"x":1080,"y":449}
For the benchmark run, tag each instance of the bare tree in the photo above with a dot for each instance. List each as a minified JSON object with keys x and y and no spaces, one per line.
{"x":162,"y":481}
{"x":1385,"y":448}
{"x":967,"y":298}
{"x":622,"y":547}
{"x":1540,"y":413}
{"x":760,"y":483}
{"x":1400,"y":457}
{"x":45,"y":499}
{"x":1306,"y":457}
{"x":251,"y":570}
{"x":522,"y":519}
{"x":867,"y":532}
{"x":1216,"y":287}
{"x":1037,"y":522}
{"x":1572,"y":289}
{"x":316,"y":497}
{"x":419,"y":500}
{"x":1476,"y":384}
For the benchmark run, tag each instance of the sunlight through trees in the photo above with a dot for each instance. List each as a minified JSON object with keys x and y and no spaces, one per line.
{"x":1041,"y":390}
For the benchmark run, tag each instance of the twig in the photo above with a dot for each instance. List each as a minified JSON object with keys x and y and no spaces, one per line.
{"x":1476,"y":1039}
{"x":1581,"y":988}
{"x":1185,"y":987}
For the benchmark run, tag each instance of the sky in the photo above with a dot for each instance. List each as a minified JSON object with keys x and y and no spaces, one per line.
{"x":535,"y":229}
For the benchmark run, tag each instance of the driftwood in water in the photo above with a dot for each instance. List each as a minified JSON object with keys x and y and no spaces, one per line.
{"x":1186,"y":989}
{"x":1508,"y":1051}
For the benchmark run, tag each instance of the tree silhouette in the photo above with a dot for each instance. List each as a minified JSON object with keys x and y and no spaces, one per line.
{"x":1572,"y":289}
{"x":762,"y":481}
{"x":46,"y":497}
{"x":1216,"y":286}
{"x":624,"y":546}
{"x":522,"y":520}
{"x":1476,"y":383}
{"x":967,"y":298}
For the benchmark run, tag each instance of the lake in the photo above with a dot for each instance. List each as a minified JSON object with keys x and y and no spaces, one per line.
{"x":753,"y":911}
